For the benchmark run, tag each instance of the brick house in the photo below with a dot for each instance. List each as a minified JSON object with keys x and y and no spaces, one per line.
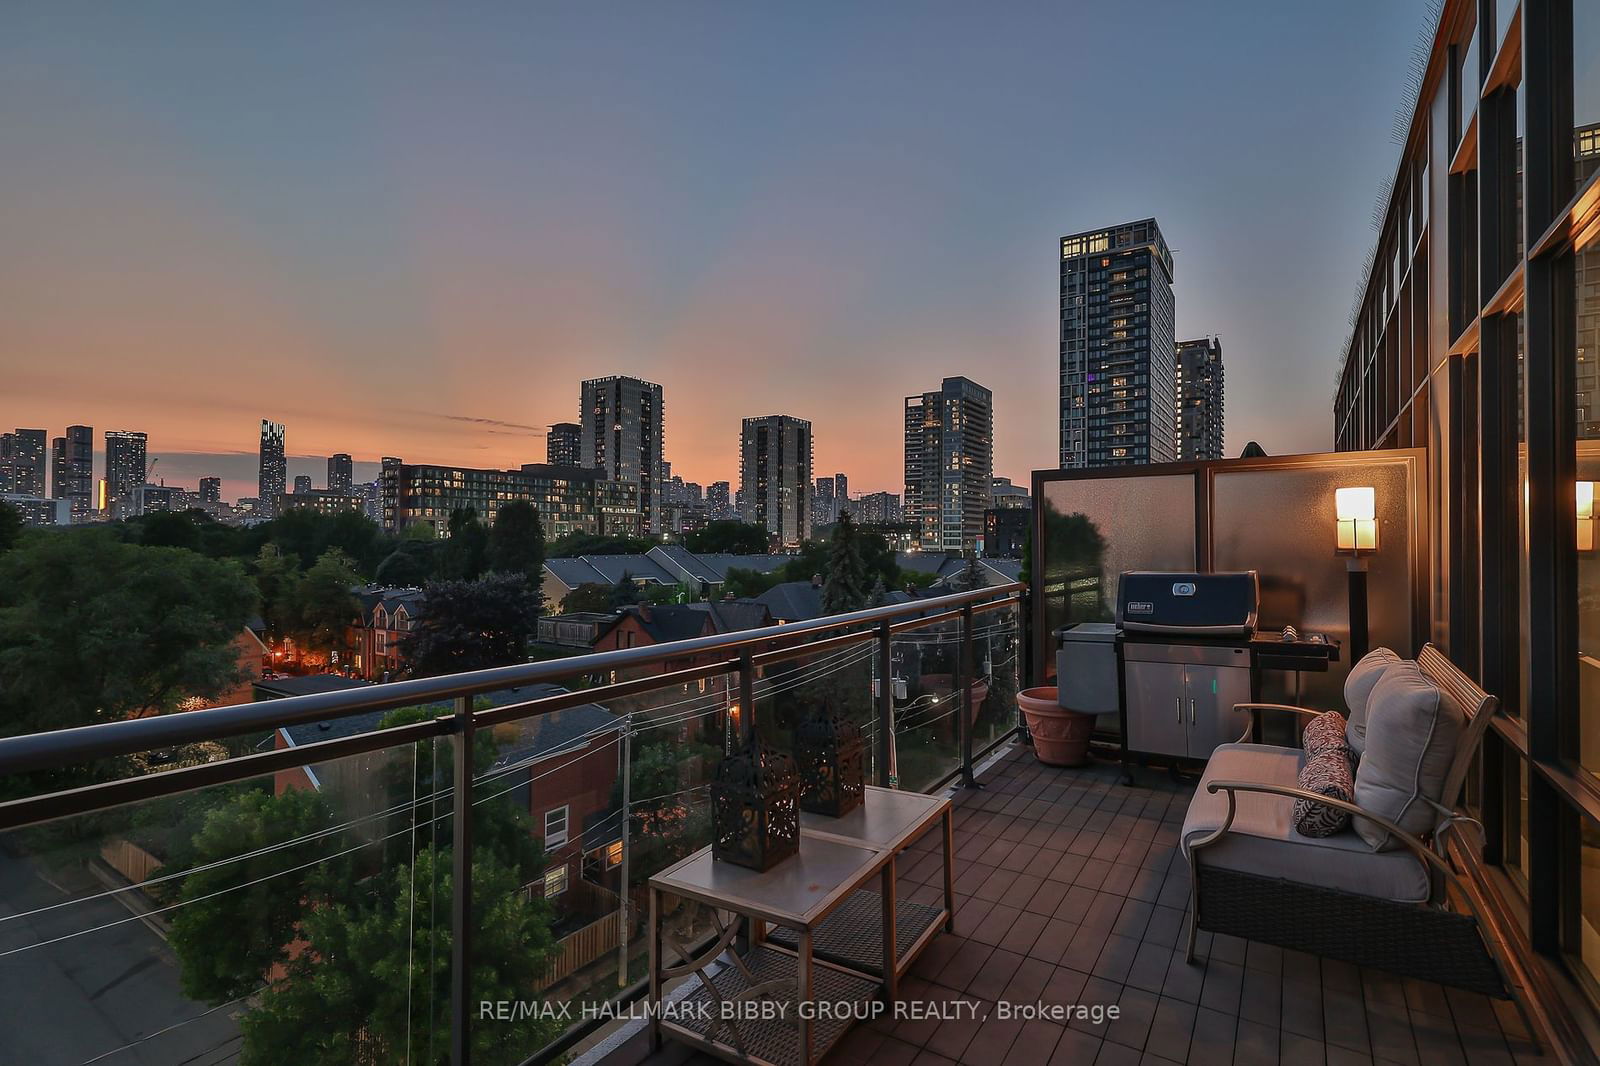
{"x":374,"y":640}
{"x":563,"y":766}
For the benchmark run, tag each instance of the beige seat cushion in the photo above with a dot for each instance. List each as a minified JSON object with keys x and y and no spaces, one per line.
{"x":1262,"y":840}
{"x":1411,"y":742}
{"x":1358,"y":688}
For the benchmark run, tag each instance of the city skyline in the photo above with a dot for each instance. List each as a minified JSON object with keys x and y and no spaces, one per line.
{"x":475,"y":274}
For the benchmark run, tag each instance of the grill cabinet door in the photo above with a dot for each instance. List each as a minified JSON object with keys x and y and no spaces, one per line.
{"x":1158,"y":716}
{"x":1210,"y":693}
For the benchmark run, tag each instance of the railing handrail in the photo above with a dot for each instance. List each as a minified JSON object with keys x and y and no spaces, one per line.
{"x":41,"y":751}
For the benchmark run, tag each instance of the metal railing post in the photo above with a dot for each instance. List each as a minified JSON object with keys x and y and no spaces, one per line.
{"x":747,"y":695}
{"x":887,"y":777}
{"x":461,"y":887}
{"x":964,"y":707}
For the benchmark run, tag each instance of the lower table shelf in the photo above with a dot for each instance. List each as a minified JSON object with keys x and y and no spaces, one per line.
{"x":771,"y":1041}
{"x":852,"y":936}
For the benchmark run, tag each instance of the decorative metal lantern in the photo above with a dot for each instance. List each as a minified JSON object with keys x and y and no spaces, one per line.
{"x":831,"y":755}
{"x":755,"y":807}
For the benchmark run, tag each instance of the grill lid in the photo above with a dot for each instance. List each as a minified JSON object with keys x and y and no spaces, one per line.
{"x":1215,"y":605}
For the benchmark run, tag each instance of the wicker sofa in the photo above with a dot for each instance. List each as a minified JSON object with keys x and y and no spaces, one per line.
{"x":1402,"y":910}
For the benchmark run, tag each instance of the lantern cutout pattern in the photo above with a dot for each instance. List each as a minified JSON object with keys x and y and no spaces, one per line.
{"x":755,"y":807}
{"x":831,"y":754}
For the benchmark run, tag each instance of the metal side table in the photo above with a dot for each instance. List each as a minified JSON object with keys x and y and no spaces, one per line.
{"x":799,"y":893}
{"x":827,"y":940}
{"x":888,"y":821}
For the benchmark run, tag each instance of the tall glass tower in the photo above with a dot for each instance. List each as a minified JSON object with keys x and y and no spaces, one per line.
{"x":274,"y":470}
{"x":1118,"y":352}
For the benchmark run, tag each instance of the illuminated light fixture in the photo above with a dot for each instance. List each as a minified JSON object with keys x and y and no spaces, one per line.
{"x":1585,"y":499}
{"x":1356,"y":519}
{"x":1356,"y":512}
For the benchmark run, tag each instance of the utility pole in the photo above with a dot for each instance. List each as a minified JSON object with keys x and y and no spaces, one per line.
{"x":622,"y":909}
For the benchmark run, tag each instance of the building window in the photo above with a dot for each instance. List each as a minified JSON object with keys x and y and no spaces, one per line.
{"x":555,"y":882}
{"x":614,"y":854}
{"x":381,"y":641}
{"x":555,"y":827}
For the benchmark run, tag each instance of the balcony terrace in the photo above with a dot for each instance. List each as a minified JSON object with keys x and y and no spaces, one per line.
{"x":259,"y":883}
{"x":1071,"y":890}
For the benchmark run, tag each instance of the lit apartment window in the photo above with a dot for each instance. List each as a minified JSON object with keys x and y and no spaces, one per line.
{"x":555,"y":882}
{"x":614,"y":854}
{"x":555,"y":827}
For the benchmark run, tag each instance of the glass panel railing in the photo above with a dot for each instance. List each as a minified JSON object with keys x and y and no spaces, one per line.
{"x":837,"y":680}
{"x":564,"y":777}
{"x":926,"y":733}
{"x":307,"y":915}
{"x":997,"y":661}
{"x":293,"y":917}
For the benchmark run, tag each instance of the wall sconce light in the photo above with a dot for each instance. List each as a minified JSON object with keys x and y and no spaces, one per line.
{"x":1356,"y":512}
{"x":1586,"y":516}
{"x":1356,"y":519}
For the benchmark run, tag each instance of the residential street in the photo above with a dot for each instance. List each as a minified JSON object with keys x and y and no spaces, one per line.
{"x":83,"y":999}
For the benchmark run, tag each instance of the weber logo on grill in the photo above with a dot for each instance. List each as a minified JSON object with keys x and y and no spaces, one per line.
{"x":1141,"y":607}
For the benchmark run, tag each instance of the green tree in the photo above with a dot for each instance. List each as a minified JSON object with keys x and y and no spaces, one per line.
{"x":276,"y":576}
{"x":465,"y":555}
{"x":591,"y":598}
{"x":170,"y":529}
{"x":323,"y":603}
{"x":10,"y":527}
{"x":412,"y":564}
{"x":369,"y":979}
{"x":625,"y":593}
{"x":375,"y":977}
{"x":306,"y":534}
{"x":665,"y":594}
{"x":748,"y":583}
{"x":728,"y":536}
{"x":849,"y":581}
{"x":570,"y":545}
{"x":94,"y":630}
{"x":473,"y":625}
{"x":516,"y":542}
{"x":238,"y":919}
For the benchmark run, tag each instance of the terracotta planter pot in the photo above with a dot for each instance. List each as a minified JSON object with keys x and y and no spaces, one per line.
{"x":1060,"y":736}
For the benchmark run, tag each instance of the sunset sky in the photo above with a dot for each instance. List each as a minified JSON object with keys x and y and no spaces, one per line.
{"x":412,"y":230}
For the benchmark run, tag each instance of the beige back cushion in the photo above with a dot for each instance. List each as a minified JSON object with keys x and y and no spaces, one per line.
{"x":1358,"y":688}
{"x":1411,"y":735}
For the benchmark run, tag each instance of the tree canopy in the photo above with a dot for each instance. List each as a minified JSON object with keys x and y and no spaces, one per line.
{"x":322,"y":601}
{"x":625,"y":593}
{"x":741,"y":582}
{"x":95,"y":630}
{"x":849,"y":579}
{"x":10,"y":526}
{"x":516,"y":542}
{"x":361,"y":930}
{"x":587,"y":598}
{"x":465,"y":555}
{"x":577,"y":543}
{"x":237,"y":920}
{"x":728,"y":536}
{"x":473,"y":625}
{"x":412,"y":564}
